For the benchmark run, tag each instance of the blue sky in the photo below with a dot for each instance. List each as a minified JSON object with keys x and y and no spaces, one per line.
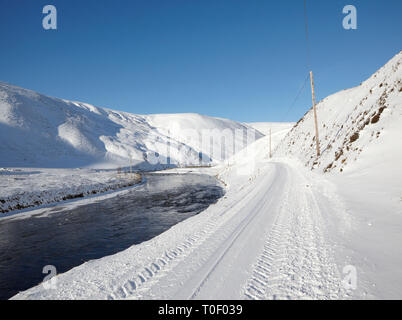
{"x":239,"y":59}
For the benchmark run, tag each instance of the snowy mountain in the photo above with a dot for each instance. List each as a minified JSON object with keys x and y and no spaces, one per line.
{"x":40,"y":131}
{"x":359,"y":128}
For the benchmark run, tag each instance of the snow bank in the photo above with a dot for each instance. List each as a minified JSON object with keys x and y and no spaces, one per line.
{"x":27,"y":188}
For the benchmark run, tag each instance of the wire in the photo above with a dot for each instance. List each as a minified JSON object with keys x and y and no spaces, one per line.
{"x":307,"y":62}
{"x":296,"y":98}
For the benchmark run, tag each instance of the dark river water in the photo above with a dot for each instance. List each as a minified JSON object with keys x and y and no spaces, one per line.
{"x":67,"y":238}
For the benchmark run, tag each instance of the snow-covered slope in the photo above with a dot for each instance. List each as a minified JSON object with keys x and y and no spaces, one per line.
{"x":40,"y":131}
{"x":278,"y":129}
{"x":359,"y":129}
{"x":216,"y":138}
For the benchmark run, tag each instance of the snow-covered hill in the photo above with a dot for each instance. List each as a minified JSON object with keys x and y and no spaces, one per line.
{"x":359,"y":128}
{"x":278,"y":129}
{"x":40,"y":131}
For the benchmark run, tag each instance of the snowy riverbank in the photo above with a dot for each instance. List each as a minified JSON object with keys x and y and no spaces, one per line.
{"x":22,"y":188}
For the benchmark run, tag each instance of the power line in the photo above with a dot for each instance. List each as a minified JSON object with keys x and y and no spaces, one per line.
{"x":307,"y":61}
{"x":296,"y":98}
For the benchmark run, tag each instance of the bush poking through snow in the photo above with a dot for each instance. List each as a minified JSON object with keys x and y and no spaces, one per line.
{"x":354,"y":137}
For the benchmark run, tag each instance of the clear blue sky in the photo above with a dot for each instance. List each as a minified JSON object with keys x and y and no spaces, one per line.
{"x":238,"y":59}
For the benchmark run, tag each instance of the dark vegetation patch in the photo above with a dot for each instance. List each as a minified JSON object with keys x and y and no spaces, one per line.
{"x":328,"y":167}
{"x":338,"y":154}
{"x":375,"y":119}
{"x":377,"y":116}
{"x":73,"y":196}
{"x":354,"y":137}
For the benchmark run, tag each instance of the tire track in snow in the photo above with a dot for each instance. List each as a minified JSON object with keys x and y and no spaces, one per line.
{"x":218,"y":264}
{"x":296,"y":262}
{"x":135,"y":287}
{"x":129,"y":288}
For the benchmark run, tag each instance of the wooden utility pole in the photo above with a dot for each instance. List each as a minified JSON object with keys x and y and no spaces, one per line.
{"x":317,"y":142}
{"x":270,"y":143}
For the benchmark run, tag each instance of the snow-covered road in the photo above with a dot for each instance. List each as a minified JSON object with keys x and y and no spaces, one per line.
{"x":265,"y":240}
{"x":272,"y":247}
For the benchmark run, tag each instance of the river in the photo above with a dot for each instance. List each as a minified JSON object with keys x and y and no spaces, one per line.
{"x":67,"y":238}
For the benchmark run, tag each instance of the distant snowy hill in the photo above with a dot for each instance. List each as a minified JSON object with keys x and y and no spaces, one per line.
{"x":278,"y":129}
{"x":40,"y":131}
{"x":359,"y":128}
